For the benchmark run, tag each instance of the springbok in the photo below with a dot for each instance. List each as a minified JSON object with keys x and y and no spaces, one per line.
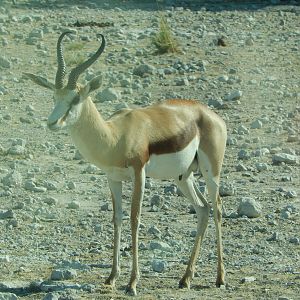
{"x":170,"y":139}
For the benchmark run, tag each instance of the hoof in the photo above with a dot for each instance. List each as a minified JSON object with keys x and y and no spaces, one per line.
{"x":110,"y":281}
{"x":131,"y":291}
{"x":220,"y":283}
{"x":184,"y":284}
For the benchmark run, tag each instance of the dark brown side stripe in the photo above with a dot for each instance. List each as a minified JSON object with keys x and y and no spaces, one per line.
{"x":174,"y":143}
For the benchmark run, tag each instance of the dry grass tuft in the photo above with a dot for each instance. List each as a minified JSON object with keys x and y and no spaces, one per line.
{"x":164,"y":40}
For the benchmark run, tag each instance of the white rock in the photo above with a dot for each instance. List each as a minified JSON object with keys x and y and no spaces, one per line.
{"x":243,"y":130}
{"x":235,"y":95}
{"x":63,"y":274}
{"x":257,"y":124}
{"x":286,"y":158}
{"x":223,"y":78}
{"x":248,"y":279}
{"x":216,"y":103}
{"x":108,"y":94}
{"x":261,"y":166}
{"x":160,"y":246}
{"x":249,"y":207}
{"x":227,"y":189}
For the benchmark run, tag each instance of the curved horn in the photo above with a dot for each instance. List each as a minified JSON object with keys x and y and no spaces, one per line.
{"x":61,"y":69}
{"x":75,"y":73}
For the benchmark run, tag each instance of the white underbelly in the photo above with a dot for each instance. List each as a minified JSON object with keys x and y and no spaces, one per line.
{"x":162,"y":166}
{"x":172,"y":165}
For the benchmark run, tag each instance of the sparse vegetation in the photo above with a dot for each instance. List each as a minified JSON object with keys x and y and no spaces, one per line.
{"x":74,"y":54}
{"x":164,"y":39}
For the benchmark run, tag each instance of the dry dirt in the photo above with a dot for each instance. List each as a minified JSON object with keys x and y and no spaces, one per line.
{"x":261,"y":59}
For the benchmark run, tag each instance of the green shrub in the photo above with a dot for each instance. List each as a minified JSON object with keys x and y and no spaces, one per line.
{"x":164,"y":40}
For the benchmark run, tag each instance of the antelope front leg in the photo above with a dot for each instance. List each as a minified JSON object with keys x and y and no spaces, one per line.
{"x":116,"y":193}
{"x":136,"y":205}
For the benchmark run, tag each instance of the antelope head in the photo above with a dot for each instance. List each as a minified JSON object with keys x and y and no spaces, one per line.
{"x":68,"y":100}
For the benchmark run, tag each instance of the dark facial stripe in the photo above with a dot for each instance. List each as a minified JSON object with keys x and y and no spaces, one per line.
{"x":75,"y":100}
{"x":174,"y":143}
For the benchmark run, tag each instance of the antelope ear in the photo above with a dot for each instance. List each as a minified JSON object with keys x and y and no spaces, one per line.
{"x":40,"y":81}
{"x":92,"y":85}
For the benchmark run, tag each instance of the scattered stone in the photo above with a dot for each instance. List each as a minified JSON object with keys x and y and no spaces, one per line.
{"x":159,"y":265}
{"x":243,"y":154}
{"x":78,"y":155}
{"x":73,"y":205}
{"x":71,"y":185}
{"x":5,"y":63}
{"x":291,"y":194}
{"x":274,"y":237}
{"x":108,"y":94}
{"x":226,"y":189}
{"x":51,"y":201}
{"x":13,"y":179}
{"x":154,"y":230}
{"x":241,"y":168}
{"x":260,"y":152}
{"x":51,"y":296}
{"x":242,"y":130}
{"x":248,"y":279}
{"x":31,"y":186}
{"x":16,"y":150}
{"x":294,"y":240}
{"x":91,"y":169}
{"x":63,"y":274}
{"x":4,"y":259}
{"x":262,"y":167}
{"x":235,"y":95}
{"x":285,"y":158}
{"x":249,"y":42}
{"x":249,"y":207}
{"x":171,"y":189}
{"x":162,"y":246}
{"x":182,"y":81}
{"x":144,"y":70}
{"x":223,"y":78}
{"x":50,"y":185}
{"x":216,"y":103}
{"x":6,"y":214}
{"x":156,"y":200}
{"x":257,"y":124}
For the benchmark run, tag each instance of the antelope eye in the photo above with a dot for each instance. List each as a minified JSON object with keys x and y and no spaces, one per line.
{"x":75,"y":100}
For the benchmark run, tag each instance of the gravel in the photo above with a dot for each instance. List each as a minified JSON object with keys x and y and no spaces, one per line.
{"x":55,"y":207}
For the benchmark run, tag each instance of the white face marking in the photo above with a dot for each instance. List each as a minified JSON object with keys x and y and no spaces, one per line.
{"x":172,"y":165}
{"x":64,"y":113}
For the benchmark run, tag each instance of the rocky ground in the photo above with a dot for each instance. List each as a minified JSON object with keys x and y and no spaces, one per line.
{"x":55,"y":209}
